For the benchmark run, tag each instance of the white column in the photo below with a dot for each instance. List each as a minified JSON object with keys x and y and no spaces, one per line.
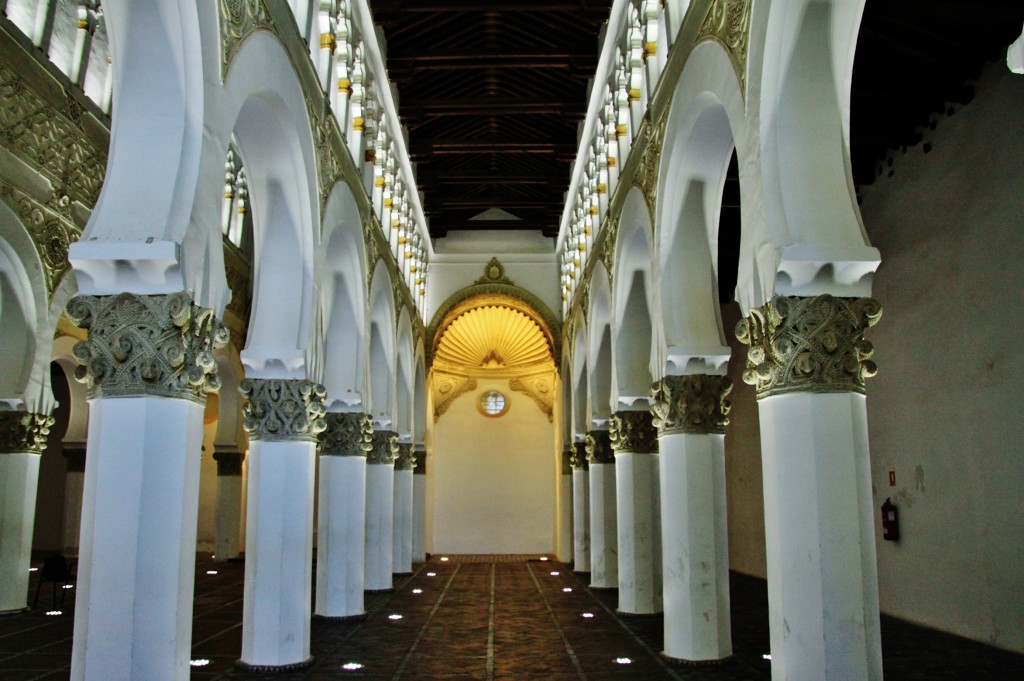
{"x":808,"y":360}
{"x":401,"y":546}
{"x":638,"y":512}
{"x":342,"y":515}
{"x":604,"y":565}
{"x":563,"y":550}
{"x":74,"y":483}
{"x":380,"y":508}
{"x":691,"y":416}
{"x":419,"y":506}
{"x":22,"y":440}
{"x":580,"y":509}
{"x":279,"y":522}
{"x":136,"y":566}
{"x":228,"y":518}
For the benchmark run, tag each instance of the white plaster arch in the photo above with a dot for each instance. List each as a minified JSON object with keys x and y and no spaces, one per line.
{"x":78,"y":409}
{"x":419,"y":410}
{"x":580,"y":397}
{"x":265,"y":110}
{"x":599,"y":349}
{"x":344,"y":302}
{"x":381,"y":378}
{"x":133,"y":239}
{"x":804,"y":112}
{"x":404,"y":386}
{"x":634,"y":303}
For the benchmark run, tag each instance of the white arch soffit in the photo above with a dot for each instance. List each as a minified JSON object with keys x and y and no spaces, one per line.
{"x":404,"y":385}
{"x":344,"y":301}
{"x":632,"y":256}
{"x":600,"y":320}
{"x":419,"y":401}
{"x":804,"y":109}
{"x":382,"y":357}
{"x":265,"y":109}
{"x":133,"y":239}
{"x":78,"y":410}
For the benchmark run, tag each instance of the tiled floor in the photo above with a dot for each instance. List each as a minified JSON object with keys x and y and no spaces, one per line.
{"x":490,"y":618}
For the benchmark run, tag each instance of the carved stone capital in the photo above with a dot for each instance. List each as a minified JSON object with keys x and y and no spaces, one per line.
{"x":421,"y":461}
{"x":283,"y":409}
{"x":75,"y":457}
{"x":159,"y":345}
{"x":633,"y":431}
{"x":406,"y":458}
{"x":229,"y":462}
{"x":24,"y":432}
{"x":578,"y":458}
{"x":599,"y":447}
{"x":691,"y":404}
{"x":385,"y":447}
{"x":809,"y":345}
{"x":347,"y":434}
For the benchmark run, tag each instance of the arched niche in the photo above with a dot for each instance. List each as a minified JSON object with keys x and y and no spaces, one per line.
{"x":634,"y":325}
{"x":404,"y":386}
{"x":344,"y":301}
{"x":599,"y":349}
{"x":580,"y":392}
{"x":381,"y":379}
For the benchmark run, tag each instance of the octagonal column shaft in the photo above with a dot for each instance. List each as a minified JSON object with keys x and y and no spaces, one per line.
{"x":74,"y":484}
{"x":604,"y":548}
{"x":228,"y":518}
{"x":580,"y":508}
{"x":419,"y":506}
{"x":401,"y":545}
{"x":380,"y":510}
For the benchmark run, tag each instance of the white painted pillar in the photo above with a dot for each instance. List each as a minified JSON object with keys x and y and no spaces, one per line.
{"x":283,"y":419}
{"x":419,"y":506}
{"x":22,"y":441}
{"x":136,"y":565}
{"x":228,"y":516}
{"x":638,"y":512}
{"x":808,"y":360}
{"x":604,"y":550}
{"x":401,"y":547}
{"x":380,"y":511}
{"x":342,"y":515}
{"x":690,"y":413}
{"x":74,"y":484}
{"x":563,"y":550}
{"x":580,"y":509}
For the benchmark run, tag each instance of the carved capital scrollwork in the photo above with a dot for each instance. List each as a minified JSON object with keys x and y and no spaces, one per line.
{"x":599,"y":447}
{"x":405,"y":460}
{"x":809,"y":344}
{"x":282,"y":409}
{"x":633,"y":431}
{"x":159,"y":345}
{"x":385,"y":447}
{"x":347,"y":434}
{"x":696,"y":404}
{"x":24,"y":432}
{"x":578,"y":458}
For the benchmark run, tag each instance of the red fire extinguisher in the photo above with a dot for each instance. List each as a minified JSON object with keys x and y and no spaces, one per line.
{"x":890,"y":521}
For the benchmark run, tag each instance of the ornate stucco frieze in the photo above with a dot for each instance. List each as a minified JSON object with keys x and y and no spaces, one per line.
{"x":158,"y":345}
{"x":447,"y":388}
{"x":51,"y":230}
{"x":578,"y":458}
{"x":696,"y":404}
{"x":283,"y":409}
{"x":229,"y":462}
{"x":347,"y":434}
{"x":633,"y":431}
{"x":238,"y":19}
{"x":646,"y":176}
{"x":809,"y":344}
{"x":728,"y":23}
{"x":24,"y":431}
{"x":599,"y":447}
{"x":385,"y":447}
{"x":406,"y":458}
{"x":538,"y":389}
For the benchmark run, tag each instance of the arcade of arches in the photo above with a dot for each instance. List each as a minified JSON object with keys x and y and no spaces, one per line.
{"x":227,"y":327}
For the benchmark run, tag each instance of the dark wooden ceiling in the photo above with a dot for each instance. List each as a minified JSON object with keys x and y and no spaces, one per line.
{"x":493,"y":92}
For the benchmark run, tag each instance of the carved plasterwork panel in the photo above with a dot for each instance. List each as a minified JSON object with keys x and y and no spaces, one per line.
{"x":697,"y":403}
{"x":447,"y":388}
{"x":283,"y":409}
{"x":599,"y":447}
{"x":51,"y":232}
{"x":24,"y":431}
{"x":385,"y":448}
{"x":239,"y":19}
{"x":728,"y":23}
{"x":633,"y":431}
{"x":347,"y":434}
{"x":538,"y":389}
{"x":646,"y":176}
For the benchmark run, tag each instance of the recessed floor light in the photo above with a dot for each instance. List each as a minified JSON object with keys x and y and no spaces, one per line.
{"x":211,"y":572}
{"x":395,"y":616}
{"x":351,"y":666}
{"x":588,"y":615}
{"x":767,"y":656}
{"x":53,"y":613}
{"x":623,"y":660}
{"x":431,"y":574}
{"x":33,"y":569}
{"x":444,"y":559}
{"x":567,"y":589}
{"x":555,"y":573}
{"x":543,"y":557}
{"x":417,"y":591}
{"x":69,"y":586}
{"x":202,"y":662}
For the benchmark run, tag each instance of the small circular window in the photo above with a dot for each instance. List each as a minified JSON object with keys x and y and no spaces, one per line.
{"x":493,"y":403}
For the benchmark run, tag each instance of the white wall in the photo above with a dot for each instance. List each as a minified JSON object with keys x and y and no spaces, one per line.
{"x":946,"y":411}
{"x":492,"y":480}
